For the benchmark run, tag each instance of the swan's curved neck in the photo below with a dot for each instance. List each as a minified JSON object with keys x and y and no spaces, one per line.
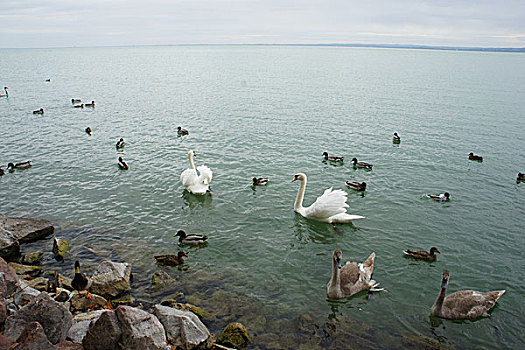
{"x":300,"y":196}
{"x":441,"y":297}
{"x":190,"y":157}
{"x":335,"y":281}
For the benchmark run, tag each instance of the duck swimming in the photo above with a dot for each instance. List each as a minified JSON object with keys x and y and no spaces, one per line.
{"x":463,"y":304}
{"x":182,"y":131}
{"x":361,"y":164}
{"x":351,"y":278}
{"x":79,"y":106}
{"x":193,"y":239}
{"x":122,"y":164}
{"x":170,"y":259}
{"x":422,"y":254}
{"x":21,"y":165}
{"x":120,"y":143}
{"x":472,"y":156}
{"x":521,"y":177}
{"x":39,"y":111}
{"x":80,"y":282}
{"x":6,"y":93}
{"x":75,"y":100}
{"x":396,"y":138}
{"x":88,"y":131}
{"x":356,"y":185}
{"x":260,"y":181}
{"x":332,"y":158}
{"x":443,"y":197}
{"x":92,"y":104}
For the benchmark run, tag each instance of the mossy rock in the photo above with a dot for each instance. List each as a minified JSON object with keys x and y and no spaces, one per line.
{"x":22,"y":270}
{"x":60,"y":248}
{"x":124,"y":300}
{"x":184,"y":307}
{"x":235,"y":335}
{"x":32,"y":258}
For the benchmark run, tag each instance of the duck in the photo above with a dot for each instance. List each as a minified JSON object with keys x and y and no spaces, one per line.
{"x":396,"y":138}
{"x":330,"y":207}
{"x":92,"y":104}
{"x":260,"y":181}
{"x":193,"y":239}
{"x":196,"y":183}
{"x":39,"y":111}
{"x":2,"y":172}
{"x":88,"y":130}
{"x":6,"y":93}
{"x":80,"y":282}
{"x":422,"y":254}
{"x":443,"y":197}
{"x":521,"y":177}
{"x":472,"y":156}
{"x":332,"y":158}
{"x":463,"y":304}
{"x":75,"y":100}
{"x":120,"y":143}
{"x":182,"y":131}
{"x":122,"y":164}
{"x":356,"y":185}
{"x":79,"y":106}
{"x":361,"y":164}
{"x":48,"y":80}
{"x":21,"y":165}
{"x":351,"y":278}
{"x":170,"y":259}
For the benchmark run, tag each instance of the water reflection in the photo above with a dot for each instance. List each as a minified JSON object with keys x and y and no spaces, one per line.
{"x":192,"y":201}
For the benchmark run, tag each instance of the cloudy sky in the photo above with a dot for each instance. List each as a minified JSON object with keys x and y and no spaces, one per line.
{"x":59,"y":23}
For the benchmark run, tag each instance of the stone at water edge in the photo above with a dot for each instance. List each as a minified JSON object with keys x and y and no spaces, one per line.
{"x":60,"y":248}
{"x":32,"y":258}
{"x":111,"y":279}
{"x":11,"y":280}
{"x":140,"y":330}
{"x":26,"y":230}
{"x":20,"y":269}
{"x":104,"y":333}
{"x":81,"y":302}
{"x":26,"y":295}
{"x":235,"y":334}
{"x":39,"y":283}
{"x":81,"y":323}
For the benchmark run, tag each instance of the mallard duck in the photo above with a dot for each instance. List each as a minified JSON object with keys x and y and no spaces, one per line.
{"x":422,"y":254}
{"x":88,"y":130}
{"x":332,"y":158}
{"x":92,"y":104}
{"x":356,"y":185}
{"x":361,"y":164}
{"x":521,"y":177}
{"x":170,"y":259}
{"x":21,"y":165}
{"x":351,"y":278}
{"x":122,"y":164}
{"x":396,"y":138}
{"x":443,"y":197}
{"x":260,"y":181}
{"x":6,"y":93}
{"x":194,"y":239}
{"x":120,"y":143}
{"x":182,"y":131}
{"x":39,"y":111}
{"x":472,"y":156}
{"x":79,"y":106}
{"x":80,"y":282}
{"x":75,"y":100}
{"x":463,"y":304}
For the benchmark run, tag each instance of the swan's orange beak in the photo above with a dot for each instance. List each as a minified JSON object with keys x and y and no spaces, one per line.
{"x":295,"y":178}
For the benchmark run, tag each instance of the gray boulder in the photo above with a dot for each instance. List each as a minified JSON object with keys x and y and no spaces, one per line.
{"x":53,"y":316}
{"x":111,"y":279}
{"x":183,"y":328}
{"x":26,"y":230}
{"x":140,"y":330}
{"x":81,"y":323}
{"x":10,"y":279}
{"x":32,"y":337}
{"x":104,"y":333}
{"x":25,"y":295}
{"x":9,"y":246}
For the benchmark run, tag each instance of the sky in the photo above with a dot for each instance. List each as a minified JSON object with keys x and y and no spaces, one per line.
{"x":70,"y":23}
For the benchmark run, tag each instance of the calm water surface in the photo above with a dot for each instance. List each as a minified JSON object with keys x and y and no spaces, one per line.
{"x":272,"y":111}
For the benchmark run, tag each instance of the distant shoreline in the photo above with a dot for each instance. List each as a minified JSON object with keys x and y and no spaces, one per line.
{"x":381,"y":46}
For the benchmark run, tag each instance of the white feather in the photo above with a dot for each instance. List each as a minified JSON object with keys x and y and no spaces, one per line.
{"x":196,"y":183}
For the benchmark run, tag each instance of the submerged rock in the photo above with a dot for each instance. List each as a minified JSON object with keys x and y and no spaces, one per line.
{"x":111,"y":279}
{"x":184,"y":307}
{"x":235,"y":334}
{"x":32,"y":258}
{"x":161,"y":279}
{"x":60,"y":248}
{"x":20,"y":269}
{"x":183,"y":328}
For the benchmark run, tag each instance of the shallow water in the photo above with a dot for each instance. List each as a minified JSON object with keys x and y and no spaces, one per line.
{"x":272,"y":111}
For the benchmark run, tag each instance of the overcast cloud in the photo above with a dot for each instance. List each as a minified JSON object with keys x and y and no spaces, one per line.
{"x":58,"y":23}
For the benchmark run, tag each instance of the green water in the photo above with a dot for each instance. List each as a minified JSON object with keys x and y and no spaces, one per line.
{"x":272,"y":111}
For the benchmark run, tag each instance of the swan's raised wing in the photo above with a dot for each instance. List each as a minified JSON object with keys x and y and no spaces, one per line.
{"x":205,"y":174}
{"x":329,"y":204}
{"x":188,"y":177}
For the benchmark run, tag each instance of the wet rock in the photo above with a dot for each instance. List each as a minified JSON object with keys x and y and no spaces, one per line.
{"x":26,"y":230}
{"x":64,"y":282}
{"x":184,"y":307}
{"x":67,"y":345}
{"x":161,"y":279}
{"x":39,"y":283}
{"x":124,"y":300}
{"x":33,"y":337}
{"x":84,"y":302}
{"x":26,"y":295}
{"x":9,"y":246}
{"x":104,"y":333}
{"x":88,"y":316}
{"x":419,"y":341}
{"x":62,"y":295}
{"x":140,"y":330}
{"x":32,"y":258}
{"x":20,"y":269}
{"x":60,"y":248}
{"x":10,"y":279}
{"x":111,"y":279}
{"x":183,"y":328}
{"x":53,"y":316}
{"x":235,"y":335}
{"x":78,"y":331}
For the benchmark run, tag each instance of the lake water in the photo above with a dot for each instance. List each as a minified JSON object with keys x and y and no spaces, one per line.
{"x":272,"y":111}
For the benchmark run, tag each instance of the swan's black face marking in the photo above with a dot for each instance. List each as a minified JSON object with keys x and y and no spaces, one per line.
{"x":296,"y":177}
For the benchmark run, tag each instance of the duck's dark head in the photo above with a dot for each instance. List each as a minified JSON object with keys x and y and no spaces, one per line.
{"x":254,"y":180}
{"x":179,"y":128}
{"x":180,"y":233}
{"x":444,"y":279}
{"x":447,"y":195}
{"x":325,"y":155}
{"x":121,"y":139}
{"x":337,"y":256}
{"x":363,"y":184}
{"x":354,"y":160}
{"x":181,"y":254}
{"x":77,"y":266}
{"x":120,"y":159}
{"x":10,"y":166}
{"x":434,"y":250}
{"x":395,"y":134}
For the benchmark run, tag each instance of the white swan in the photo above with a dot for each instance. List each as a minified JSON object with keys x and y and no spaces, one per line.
{"x":196,"y":184}
{"x":330,"y":207}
